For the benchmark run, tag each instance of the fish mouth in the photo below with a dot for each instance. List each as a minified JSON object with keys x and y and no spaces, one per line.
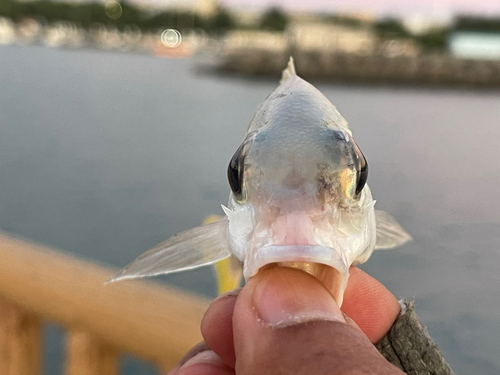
{"x":329,"y":266}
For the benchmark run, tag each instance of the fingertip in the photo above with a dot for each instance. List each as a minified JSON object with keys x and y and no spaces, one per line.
{"x":205,"y":363}
{"x":174,"y":371}
{"x":286,"y":321}
{"x":284,"y":296}
{"x":370,"y":304}
{"x":273,"y":305}
{"x":217,"y":326}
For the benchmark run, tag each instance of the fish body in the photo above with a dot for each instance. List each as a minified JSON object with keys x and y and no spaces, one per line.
{"x":298,"y":197}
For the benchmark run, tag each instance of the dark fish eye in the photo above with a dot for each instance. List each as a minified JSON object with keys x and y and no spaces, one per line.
{"x":235,"y":173}
{"x":236,"y":169}
{"x":361,"y":167}
{"x":362,"y":175}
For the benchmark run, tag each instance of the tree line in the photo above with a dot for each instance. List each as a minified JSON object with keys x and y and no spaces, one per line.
{"x":88,"y":13}
{"x":391,"y":28}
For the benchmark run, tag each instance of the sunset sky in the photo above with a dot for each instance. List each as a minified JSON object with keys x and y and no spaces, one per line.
{"x":435,"y":8}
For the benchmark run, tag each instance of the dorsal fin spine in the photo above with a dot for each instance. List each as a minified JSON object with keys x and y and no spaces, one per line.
{"x":289,"y":71}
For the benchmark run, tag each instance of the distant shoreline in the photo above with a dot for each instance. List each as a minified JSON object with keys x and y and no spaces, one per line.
{"x":432,"y":69}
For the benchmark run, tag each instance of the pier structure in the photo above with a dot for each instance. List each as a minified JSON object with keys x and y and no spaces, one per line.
{"x":40,"y":285}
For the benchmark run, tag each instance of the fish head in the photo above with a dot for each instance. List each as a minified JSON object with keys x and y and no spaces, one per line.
{"x":299,"y":195}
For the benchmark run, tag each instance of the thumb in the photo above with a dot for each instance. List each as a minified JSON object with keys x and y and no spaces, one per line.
{"x":286,"y":322}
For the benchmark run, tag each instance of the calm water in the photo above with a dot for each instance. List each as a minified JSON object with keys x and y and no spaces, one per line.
{"x":105,"y":155}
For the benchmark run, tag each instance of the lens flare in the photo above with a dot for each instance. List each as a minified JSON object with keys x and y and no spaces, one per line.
{"x":171,"y":38}
{"x":113,"y":10}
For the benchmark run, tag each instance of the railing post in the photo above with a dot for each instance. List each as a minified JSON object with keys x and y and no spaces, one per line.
{"x":87,"y":355}
{"x":20,"y":341}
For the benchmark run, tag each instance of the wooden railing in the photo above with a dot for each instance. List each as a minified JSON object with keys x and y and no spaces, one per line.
{"x":38,"y":284}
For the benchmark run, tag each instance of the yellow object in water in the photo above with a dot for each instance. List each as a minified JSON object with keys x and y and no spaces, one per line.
{"x":228,"y":278}
{"x":227,"y":272}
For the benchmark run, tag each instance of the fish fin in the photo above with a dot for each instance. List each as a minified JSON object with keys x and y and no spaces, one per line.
{"x":289,"y":71}
{"x":187,"y":250}
{"x":389,"y":233}
{"x":229,"y":272}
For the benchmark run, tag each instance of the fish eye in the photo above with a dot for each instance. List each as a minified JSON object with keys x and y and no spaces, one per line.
{"x":235,"y":173}
{"x":361,"y":167}
{"x":236,"y":169}
{"x":362,"y":175}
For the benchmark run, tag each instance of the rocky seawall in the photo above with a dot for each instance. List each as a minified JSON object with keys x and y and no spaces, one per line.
{"x":433,"y":69}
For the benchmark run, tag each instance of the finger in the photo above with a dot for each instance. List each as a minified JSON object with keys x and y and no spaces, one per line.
{"x":351,"y":322}
{"x":204,"y":363}
{"x":370,"y":304}
{"x":217,"y":326}
{"x":198,"y":348}
{"x":285,"y":321}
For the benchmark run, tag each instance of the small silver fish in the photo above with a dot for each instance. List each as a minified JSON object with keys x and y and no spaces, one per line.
{"x":298,"y":198}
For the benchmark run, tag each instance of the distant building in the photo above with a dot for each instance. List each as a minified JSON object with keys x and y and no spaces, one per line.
{"x":7,"y":31}
{"x":400,"y":47}
{"x":202,"y":8}
{"x":419,"y":24}
{"x":247,"y":18}
{"x":475,"y":45}
{"x":255,"y":40}
{"x":206,"y":8}
{"x":327,"y":37}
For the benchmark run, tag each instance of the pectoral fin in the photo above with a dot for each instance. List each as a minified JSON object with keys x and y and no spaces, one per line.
{"x":389,"y":233}
{"x":187,"y":250}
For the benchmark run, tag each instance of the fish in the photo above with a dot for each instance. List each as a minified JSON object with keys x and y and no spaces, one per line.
{"x":299,"y":198}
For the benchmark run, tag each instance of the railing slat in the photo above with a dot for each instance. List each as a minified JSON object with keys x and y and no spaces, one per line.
{"x":87,"y":355}
{"x":20,"y":341}
{"x":141,"y":318}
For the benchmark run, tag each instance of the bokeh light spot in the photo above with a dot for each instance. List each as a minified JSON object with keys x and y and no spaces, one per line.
{"x":171,"y":38}
{"x":113,"y":10}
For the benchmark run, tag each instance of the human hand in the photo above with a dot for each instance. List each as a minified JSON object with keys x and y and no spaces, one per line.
{"x":285,"y":321}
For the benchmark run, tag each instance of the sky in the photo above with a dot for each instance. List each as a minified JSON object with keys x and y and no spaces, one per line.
{"x":434,"y":8}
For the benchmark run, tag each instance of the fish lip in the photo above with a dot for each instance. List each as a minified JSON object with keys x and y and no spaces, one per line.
{"x":294,"y":253}
{"x":309,"y":258}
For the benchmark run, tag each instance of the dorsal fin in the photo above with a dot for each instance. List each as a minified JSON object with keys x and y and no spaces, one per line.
{"x":289,"y":71}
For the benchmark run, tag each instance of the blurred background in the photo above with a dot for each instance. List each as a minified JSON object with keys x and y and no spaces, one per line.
{"x":118,"y":120}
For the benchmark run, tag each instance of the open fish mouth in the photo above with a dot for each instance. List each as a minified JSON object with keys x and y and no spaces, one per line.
{"x":326,"y":264}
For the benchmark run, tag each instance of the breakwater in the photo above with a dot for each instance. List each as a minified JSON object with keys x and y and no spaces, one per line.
{"x":434,"y":69}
